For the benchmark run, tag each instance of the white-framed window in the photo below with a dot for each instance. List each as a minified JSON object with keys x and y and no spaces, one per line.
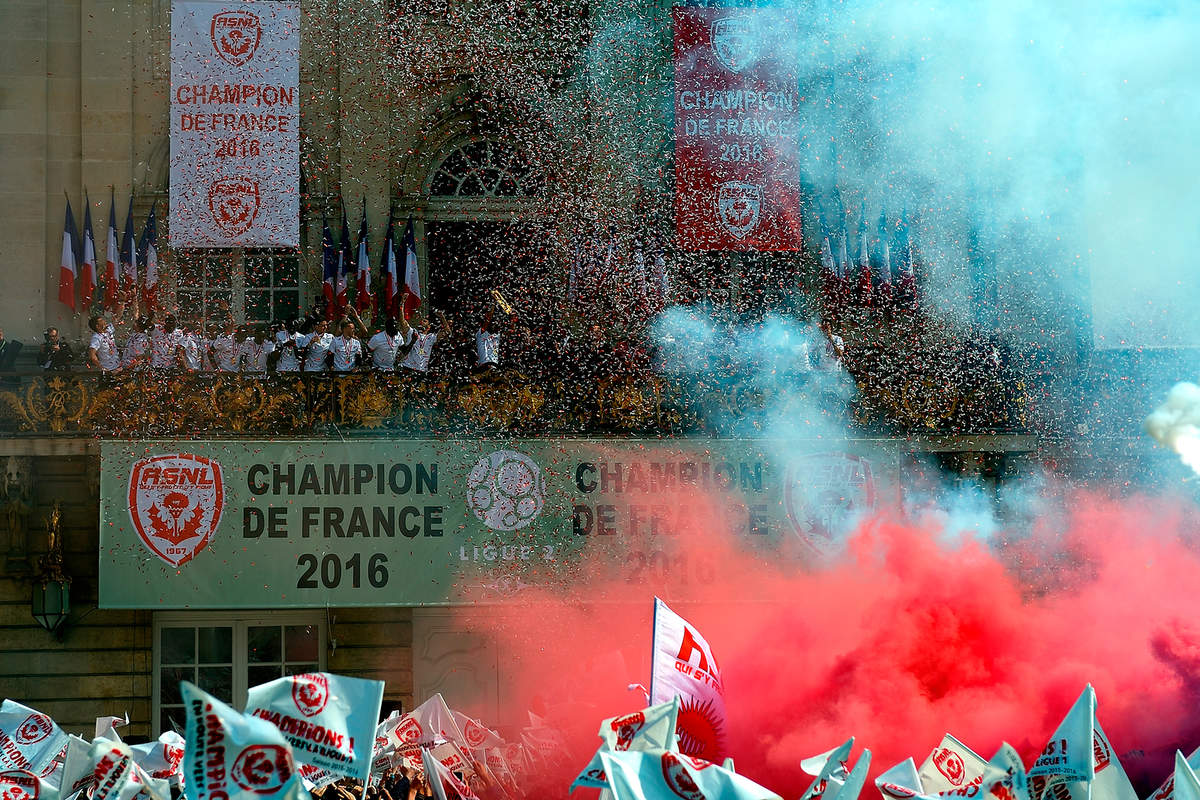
{"x":251,"y":286}
{"x":225,"y":653}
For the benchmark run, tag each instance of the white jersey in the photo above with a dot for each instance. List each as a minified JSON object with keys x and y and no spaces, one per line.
{"x":105,"y":345}
{"x":163,"y":347}
{"x":383,"y":350}
{"x":344,"y":351}
{"x":487,"y":348}
{"x":318,"y":346}
{"x":287,"y":345}
{"x":418,"y":357}
{"x":194,"y":348}
{"x":137,"y":349}
{"x":254,"y":355}
{"x":226,"y":351}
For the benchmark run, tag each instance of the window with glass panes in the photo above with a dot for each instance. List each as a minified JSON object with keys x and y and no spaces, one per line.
{"x":272,"y":286}
{"x":226,"y":654}
{"x":205,"y":284}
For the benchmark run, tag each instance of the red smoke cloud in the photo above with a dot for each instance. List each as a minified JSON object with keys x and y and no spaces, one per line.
{"x":904,"y":639}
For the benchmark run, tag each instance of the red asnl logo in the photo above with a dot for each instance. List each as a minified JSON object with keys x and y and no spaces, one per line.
{"x":823,"y":493}
{"x":1101,"y":751}
{"x":409,"y":730}
{"x":310,"y":693}
{"x":234,"y":203}
{"x":235,"y":36}
{"x":677,"y":776}
{"x":474,"y":733}
{"x":262,"y":768}
{"x":173,"y":755}
{"x":175,"y":502}
{"x":626,"y":728}
{"x":17,"y":784}
{"x":950,"y":764}
{"x":34,"y":729}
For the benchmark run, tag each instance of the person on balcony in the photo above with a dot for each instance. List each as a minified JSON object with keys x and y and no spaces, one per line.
{"x":190,"y":354}
{"x":164,"y":344}
{"x":346,"y":349}
{"x":384,"y":345}
{"x":255,"y":351}
{"x":287,"y":347}
{"x":419,"y":342}
{"x":137,"y":346}
{"x":224,"y":351}
{"x":55,"y":354}
{"x":102,"y":351}
{"x":487,"y":346}
{"x":315,"y":346}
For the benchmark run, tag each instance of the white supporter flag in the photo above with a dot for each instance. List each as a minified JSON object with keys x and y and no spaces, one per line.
{"x":952,"y":765}
{"x":901,"y":781}
{"x":651,"y":728}
{"x":478,"y":735}
{"x":329,"y":720}
{"x":21,"y":784}
{"x":1185,"y":784}
{"x":1167,"y":790}
{"x":1080,"y":757}
{"x":664,"y":775}
{"x":315,"y":779}
{"x":118,"y":777}
{"x":106,"y":727}
{"x":426,"y":724}
{"x":453,"y":758}
{"x":234,"y":756}
{"x":163,"y":758}
{"x":499,"y":767}
{"x":852,"y":787}
{"x":683,"y":666}
{"x":438,"y":775}
{"x":77,"y":767}
{"x":29,"y":739}
{"x":832,"y":769}
{"x":229,"y":188}
{"x":1008,"y":761}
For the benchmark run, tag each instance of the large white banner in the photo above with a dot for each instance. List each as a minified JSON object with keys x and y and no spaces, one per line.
{"x":235,"y":124}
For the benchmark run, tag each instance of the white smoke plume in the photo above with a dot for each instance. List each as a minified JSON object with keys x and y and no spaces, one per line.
{"x":1176,"y":423}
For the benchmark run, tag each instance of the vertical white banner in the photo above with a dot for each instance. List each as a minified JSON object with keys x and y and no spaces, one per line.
{"x":235,"y":124}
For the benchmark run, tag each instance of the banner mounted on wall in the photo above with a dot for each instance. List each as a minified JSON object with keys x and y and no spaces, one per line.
{"x":737,"y":118}
{"x":235,"y":124}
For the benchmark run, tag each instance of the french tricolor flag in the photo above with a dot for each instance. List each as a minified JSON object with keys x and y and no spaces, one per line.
{"x":89,"y":255}
{"x":412,"y":275}
{"x":329,"y":264}
{"x":68,"y":270}
{"x":111,"y":256}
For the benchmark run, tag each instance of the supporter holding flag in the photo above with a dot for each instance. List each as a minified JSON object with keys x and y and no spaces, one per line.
{"x":111,"y":257}
{"x":68,"y":268}
{"x":362,"y":286}
{"x":88,"y":290}
{"x":148,"y":257}
{"x":412,"y":275}
{"x":129,"y":272}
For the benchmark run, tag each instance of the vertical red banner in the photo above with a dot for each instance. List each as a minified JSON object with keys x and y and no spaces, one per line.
{"x":737,"y":120}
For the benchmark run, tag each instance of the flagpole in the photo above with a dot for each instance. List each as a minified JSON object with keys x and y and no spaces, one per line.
{"x":653,"y":639}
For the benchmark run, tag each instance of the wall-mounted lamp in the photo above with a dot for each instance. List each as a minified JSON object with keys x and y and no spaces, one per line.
{"x":51,"y":599}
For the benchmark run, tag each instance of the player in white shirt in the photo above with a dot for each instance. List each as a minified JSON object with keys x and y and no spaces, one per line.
{"x":419,"y":343}
{"x":384,"y":345}
{"x":102,"y":349}
{"x":487,"y":346}
{"x":225,"y":350}
{"x":316,"y":347}
{"x":287,"y":349}
{"x":164,"y":344}
{"x":346,"y":349}
{"x":254,"y":352}
{"x":137,"y":346}
{"x":192,"y":349}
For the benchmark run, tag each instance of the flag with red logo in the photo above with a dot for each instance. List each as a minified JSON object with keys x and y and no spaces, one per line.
{"x":21,"y":784}
{"x":111,"y":256}
{"x":427,"y":724}
{"x":476,"y":733}
{"x":900,"y":782}
{"x":1167,"y":790}
{"x":77,"y":767}
{"x":161,"y":759}
{"x":235,"y":756}
{"x":439,"y":776}
{"x":362,"y":286}
{"x":952,"y":765}
{"x":453,"y":758}
{"x":88,"y":290}
{"x":498,"y":765}
{"x":117,"y":776}
{"x":148,"y":256}
{"x":683,"y":666}
{"x":412,"y":275}
{"x":1012,"y":783}
{"x":68,"y":269}
{"x":329,"y":720}
{"x":830,"y":770}
{"x":665,"y":775}
{"x":29,"y":739}
{"x":1080,"y":757}
{"x":651,"y":728}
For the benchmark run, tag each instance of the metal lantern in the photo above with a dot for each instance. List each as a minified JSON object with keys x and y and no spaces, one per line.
{"x":51,"y":601}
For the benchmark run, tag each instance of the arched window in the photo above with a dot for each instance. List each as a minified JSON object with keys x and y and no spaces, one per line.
{"x":485,"y":168}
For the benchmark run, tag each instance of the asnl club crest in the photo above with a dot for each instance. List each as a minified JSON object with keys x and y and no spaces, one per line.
{"x":733,"y":43}
{"x":175,"y":503}
{"x":675,"y":773}
{"x":262,"y":768}
{"x":310,"y":693}
{"x":824,"y":493}
{"x":739,"y":207}
{"x":34,"y":729}
{"x":236,"y":36}
{"x":18,"y":784}
{"x":234,"y":203}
